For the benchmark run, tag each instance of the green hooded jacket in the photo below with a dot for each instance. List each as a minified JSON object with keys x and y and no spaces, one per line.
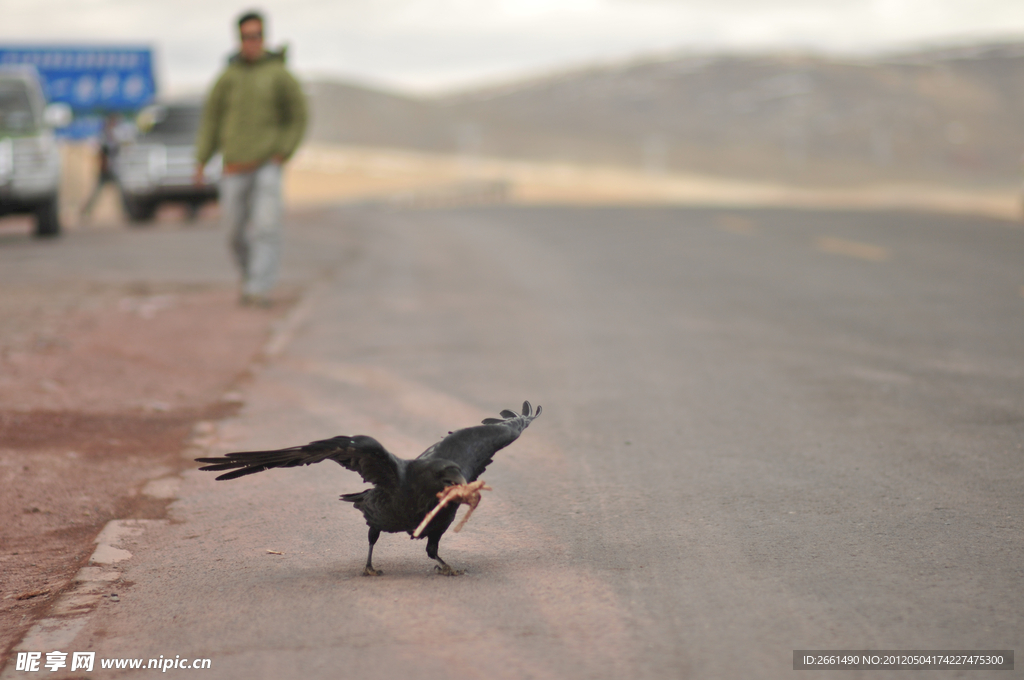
{"x":255,"y":111}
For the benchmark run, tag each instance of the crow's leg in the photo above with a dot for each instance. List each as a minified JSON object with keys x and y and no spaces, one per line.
{"x":433,"y":542}
{"x":369,"y":570}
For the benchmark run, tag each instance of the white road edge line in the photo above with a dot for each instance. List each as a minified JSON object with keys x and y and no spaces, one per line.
{"x":71,"y":611}
{"x":284,"y":331}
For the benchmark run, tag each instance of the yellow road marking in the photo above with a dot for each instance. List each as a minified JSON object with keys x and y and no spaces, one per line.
{"x":736,"y":224}
{"x":864,"y":251}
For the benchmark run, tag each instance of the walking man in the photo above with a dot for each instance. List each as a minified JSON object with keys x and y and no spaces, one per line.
{"x":255,"y":116}
{"x":109,"y":145}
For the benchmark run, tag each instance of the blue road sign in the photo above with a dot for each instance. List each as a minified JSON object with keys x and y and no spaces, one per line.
{"x":90,"y":79}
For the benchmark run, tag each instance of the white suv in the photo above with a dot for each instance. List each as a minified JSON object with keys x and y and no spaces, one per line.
{"x":157,"y":166}
{"x":29,"y":156}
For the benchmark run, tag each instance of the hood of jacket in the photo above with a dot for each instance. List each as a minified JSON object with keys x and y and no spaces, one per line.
{"x":280,"y":55}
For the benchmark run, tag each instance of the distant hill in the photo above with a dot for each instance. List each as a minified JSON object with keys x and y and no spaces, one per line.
{"x":948,"y":115}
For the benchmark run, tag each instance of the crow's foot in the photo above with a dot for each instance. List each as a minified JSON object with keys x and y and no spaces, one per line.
{"x":370,"y":571}
{"x":445,"y":570}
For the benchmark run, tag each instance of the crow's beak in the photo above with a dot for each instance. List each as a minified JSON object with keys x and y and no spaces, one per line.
{"x":454,"y":479}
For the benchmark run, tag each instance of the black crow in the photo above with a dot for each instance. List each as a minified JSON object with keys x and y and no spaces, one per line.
{"x":404,"y":491}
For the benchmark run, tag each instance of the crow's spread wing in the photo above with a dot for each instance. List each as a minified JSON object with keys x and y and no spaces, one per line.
{"x":360,"y":454}
{"x":473,"y":447}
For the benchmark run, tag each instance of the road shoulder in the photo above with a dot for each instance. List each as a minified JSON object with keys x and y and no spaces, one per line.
{"x":101,"y":388}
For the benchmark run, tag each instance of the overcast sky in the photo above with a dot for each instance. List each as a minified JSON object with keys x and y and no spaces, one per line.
{"x":436,"y":45}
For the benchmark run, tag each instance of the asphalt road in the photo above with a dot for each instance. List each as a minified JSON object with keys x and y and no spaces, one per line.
{"x":763,"y":431}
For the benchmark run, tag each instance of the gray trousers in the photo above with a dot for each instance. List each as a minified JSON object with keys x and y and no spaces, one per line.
{"x":252,"y":207}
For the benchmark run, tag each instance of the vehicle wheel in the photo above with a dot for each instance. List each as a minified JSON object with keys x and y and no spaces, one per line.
{"x":47,"y":219}
{"x":138,"y":209}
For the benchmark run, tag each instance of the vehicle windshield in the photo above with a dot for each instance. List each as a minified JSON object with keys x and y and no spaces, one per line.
{"x":16,"y":114}
{"x":170,"y":121}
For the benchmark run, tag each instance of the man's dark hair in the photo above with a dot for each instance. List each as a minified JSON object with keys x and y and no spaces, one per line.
{"x":249,"y":16}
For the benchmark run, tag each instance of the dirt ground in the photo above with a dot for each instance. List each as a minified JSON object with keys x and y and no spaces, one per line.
{"x":100,"y":392}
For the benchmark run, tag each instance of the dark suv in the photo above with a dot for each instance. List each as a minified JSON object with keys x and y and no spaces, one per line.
{"x":157,"y":166}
